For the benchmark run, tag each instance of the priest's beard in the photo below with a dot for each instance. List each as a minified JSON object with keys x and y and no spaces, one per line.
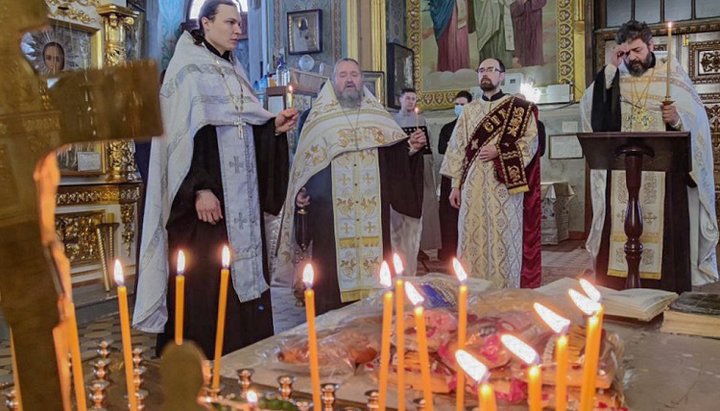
{"x":349,"y":98}
{"x":487,"y":85}
{"x":638,"y":67}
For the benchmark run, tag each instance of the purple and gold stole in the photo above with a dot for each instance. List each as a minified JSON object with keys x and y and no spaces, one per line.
{"x":509,"y":120}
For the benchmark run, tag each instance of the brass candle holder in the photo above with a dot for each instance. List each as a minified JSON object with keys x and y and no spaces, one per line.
{"x":303,"y":405}
{"x":101,"y":370}
{"x":373,"y":400}
{"x":11,"y":401}
{"x":286,"y":386}
{"x":98,"y":394}
{"x":141,"y":396}
{"x":138,"y":377}
{"x":245,"y":380}
{"x":103,"y":350}
{"x":419,"y":404}
{"x":138,"y":356}
{"x":327,"y":392}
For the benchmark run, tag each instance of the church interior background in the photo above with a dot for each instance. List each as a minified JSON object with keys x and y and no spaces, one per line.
{"x":99,"y":197}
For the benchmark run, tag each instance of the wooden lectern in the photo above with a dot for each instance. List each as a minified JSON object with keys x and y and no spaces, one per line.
{"x":635,"y":153}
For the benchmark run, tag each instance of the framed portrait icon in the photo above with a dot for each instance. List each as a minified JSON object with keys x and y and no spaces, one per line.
{"x":304,"y":30}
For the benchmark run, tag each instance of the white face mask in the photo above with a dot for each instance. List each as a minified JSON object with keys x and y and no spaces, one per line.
{"x":458,"y":110}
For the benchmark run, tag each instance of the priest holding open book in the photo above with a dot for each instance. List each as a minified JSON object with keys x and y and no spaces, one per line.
{"x":633,"y":93}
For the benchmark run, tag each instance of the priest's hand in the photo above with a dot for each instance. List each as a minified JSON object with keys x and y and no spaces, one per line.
{"x":285,"y":120}
{"x":418,"y":140}
{"x":208,"y":207}
{"x":670,"y":115}
{"x":488,"y":152}
{"x":618,"y":54}
{"x":303,"y":198}
{"x":455,"y":197}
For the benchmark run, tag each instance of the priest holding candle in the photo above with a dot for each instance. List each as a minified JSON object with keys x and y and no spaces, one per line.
{"x":222,"y":163}
{"x":639,"y":91}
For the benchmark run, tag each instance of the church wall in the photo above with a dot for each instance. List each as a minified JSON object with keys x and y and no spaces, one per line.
{"x":331,"y":23}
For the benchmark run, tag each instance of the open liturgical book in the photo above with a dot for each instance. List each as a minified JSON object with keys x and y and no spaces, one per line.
{"x":694,"y":313}
{"x":641,"y":304}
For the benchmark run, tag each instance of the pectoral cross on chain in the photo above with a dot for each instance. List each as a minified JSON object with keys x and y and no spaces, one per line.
{"x":34,"y":120}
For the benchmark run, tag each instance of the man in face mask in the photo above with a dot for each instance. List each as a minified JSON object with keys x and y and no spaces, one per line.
{"x":449,"y":214}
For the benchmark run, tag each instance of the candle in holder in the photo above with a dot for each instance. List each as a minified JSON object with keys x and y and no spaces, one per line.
{"x":386,"y":282}
{"x":530,"y":357}
{"x":560,"y":325}
{"x":593,"y":334}
{"x":416,"y":299}
{"x":462,"y":330}
{"x":222,"y":306}
{"x":400,"y":331}
{"x":308,"y":278}
{"x":179,"y":298}
{"x":126,"y":337}
{"x":289,"y":97}
{"x":669,"y":61}
{"x":480,"y":374}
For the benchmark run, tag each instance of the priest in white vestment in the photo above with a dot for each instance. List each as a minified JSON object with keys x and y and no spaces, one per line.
{"x":680,"y":227}
{"x":495,"y":139}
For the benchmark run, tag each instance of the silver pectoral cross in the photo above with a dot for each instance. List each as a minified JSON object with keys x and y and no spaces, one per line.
{"x":240,"y":124}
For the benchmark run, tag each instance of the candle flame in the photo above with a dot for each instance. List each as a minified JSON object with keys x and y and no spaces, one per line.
{"x":521,"y":350}
{"x":590,"y":290}
{"x":417,"y":110}
{"x":398,"y":264}
{"x":385,"y":278}
{"x":290,"y":89}
{"x":226,"y":257}
{"x":472,"y":366}
{"x":586,"y":305}
{"x":669,"y":25}
{"x":459,"y":270}
{"x":308,"y":275}
{"x":252,"y":397}
{"x":180,"y":263}
{"x":118,"y":273}
{"x":413,"y":295}
{"x":558,"y":323}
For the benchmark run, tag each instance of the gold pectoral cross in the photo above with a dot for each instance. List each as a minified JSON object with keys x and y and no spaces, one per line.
{"x":117,"y":103}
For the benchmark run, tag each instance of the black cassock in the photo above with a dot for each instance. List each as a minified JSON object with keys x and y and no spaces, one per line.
{"x":448,"y":213}
{"x":245,"y":323}
{"x":401,"y":186}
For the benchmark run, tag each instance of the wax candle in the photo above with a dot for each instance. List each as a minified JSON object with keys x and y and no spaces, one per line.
{"x":416,"y":299}
{"x":462,"y":330}
{"x":289,"y":97}
{"x":593,"y":332}
{"x":559,"y":325}
{"x":78,"y":375}
{"x":126,"y":336}
{"x":179,"y":298}
{"x":530,"y":357}
{"x":252,"y":400}
{"x":480,"y":374}
{"x":222,"y":306}
{"x":669,"y":61}
{"x":386,"y":282}
{"x":400,"y":331}
{"x":308,"y":278}
{"x":417,"y":117}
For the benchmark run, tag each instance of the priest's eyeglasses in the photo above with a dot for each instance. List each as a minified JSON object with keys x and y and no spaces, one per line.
{"x":483,"y":70}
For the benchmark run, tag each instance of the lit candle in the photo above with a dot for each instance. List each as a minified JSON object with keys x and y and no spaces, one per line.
{"x":400,"y":331}
{"x":669,"y":61}
{"x":179,"y":298}
{"x":308,"y":277}
{"x":462,"y":330}
{"x":125,"y":332}
{"x":222,"y":306}
{"x":385,"y":281}
{"x":417,"y":117}
{"x":480,"y":373}
{"x":290,"y":97}
{"x":560,"y":325}
{"x":594,"y":311}
{"x":530,"y":357}
{"x":252,"y":400}
{"x":416,"y":299}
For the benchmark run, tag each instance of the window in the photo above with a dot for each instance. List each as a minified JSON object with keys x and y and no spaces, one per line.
{"x":197,"y":4}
